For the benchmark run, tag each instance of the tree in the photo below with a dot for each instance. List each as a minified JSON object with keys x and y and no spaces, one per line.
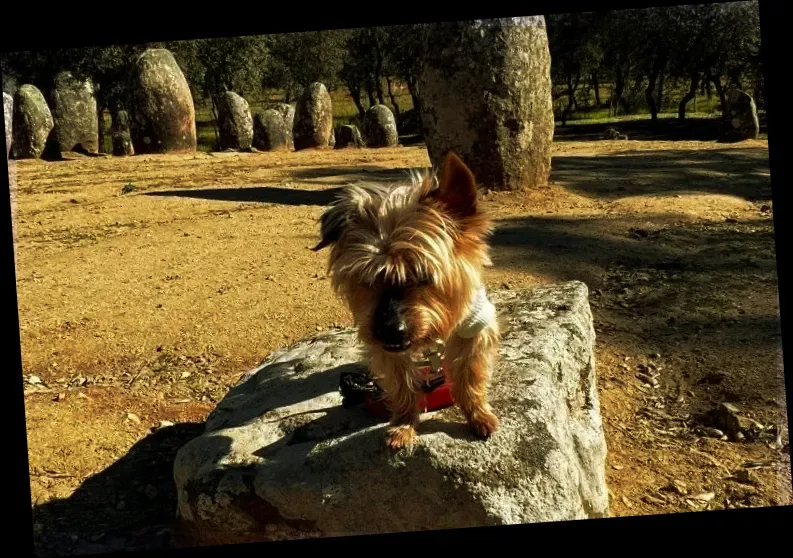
{"x":575,"y":51}
{"x":299,"y":59}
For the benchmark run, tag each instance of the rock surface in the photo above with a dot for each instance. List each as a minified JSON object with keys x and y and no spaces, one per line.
{"x":235,"y":123}
{"x":74,"y":114}
{"x":741,"y":116}
{"x":122,"y":141}
{"x":270,"y":131}
{"x":162,"y":111}
{"x":348,"y":135}
{"x":281,"y":458}
{"x":31,"y":123}
{"x":287,"y":112}
{"x":379,"y":127}
{"x":313,"y":124}
{"x":8,"y":118}
{"x":485,"y":92}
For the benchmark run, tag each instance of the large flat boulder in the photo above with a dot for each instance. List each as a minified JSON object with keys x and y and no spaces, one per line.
{"x":282,"y":459}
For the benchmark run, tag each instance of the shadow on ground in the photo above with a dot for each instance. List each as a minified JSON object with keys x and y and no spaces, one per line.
{"x":668,"y":129}
{"x":128,"y":506}
{"x":742,"y":172}
{"x":330,"y":176}
{"x":353,"y":174}
{"x":257,"y":194}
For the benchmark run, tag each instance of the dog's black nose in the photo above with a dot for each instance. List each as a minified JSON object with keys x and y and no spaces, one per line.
{"x":390,"y":327}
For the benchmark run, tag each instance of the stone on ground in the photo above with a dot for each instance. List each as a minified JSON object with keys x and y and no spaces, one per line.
{"x":31,"y":123}
{"x":270,"y":131}
{"x":348,"y":135}
{"x":485,"y":93}
{"x":281,"y":458}
{"x":119,"y":130}
{"x":235,"y":123}
{"x":379,"y":127}
{"x":74,"y":114}
{"x":162,"y":111}
{"x":313,"y":121}
{"x":741,"y":116}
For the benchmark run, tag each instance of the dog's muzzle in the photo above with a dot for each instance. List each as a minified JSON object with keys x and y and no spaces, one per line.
{"x":390,"y":327}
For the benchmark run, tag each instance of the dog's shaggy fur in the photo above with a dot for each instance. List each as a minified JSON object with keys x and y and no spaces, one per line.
{"x":411,"y":257}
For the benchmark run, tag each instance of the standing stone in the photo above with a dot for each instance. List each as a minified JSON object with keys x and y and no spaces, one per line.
{"x":270,"y":132}
{"x":31,"y":123}
{"x":741,"y":116}
{"x":74,"y":115}
{"x":485,"y":93}
{"x":348,"y":136}
{"x":122,"y":142}
{"x":313,"y":125}
{"x":235,"y":123}
{"x":288,"y":113}
{"x":8,"y":116}
{"x":379,"y":127}
{"x":163,"y":115}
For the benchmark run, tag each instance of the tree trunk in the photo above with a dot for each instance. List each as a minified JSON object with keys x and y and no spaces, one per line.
{"x":355,"y":93}
{"x":619,"y":89}
{"x":215,"y":122}
{"x":735,"y":78}
{"x":393,"y":99}
{"x":661,"y":91}
{"x":650,"y":98}
{"x":596,"y":87}
{"x":572,"y":85}
{"x":370,"y":91}
{"x":414,"y":94}
{"x":649,"y":93}
{"x":378,"y":75}
{"x":692,"y":94}
{"x":716,"y":80}
{"x":100,"y":115}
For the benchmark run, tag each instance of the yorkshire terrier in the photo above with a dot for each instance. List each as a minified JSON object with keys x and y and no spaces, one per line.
{"x":408,"y":262}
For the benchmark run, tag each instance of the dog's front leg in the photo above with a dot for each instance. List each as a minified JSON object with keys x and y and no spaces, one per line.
{"x":469,"y":361}
{"x":397,"y":377}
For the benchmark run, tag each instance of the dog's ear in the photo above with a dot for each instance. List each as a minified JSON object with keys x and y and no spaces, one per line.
{"x":332,"y":224}
{"x":457,"y":189}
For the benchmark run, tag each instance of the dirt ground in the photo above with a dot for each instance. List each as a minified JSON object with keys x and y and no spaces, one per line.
{"x":148,"y":285}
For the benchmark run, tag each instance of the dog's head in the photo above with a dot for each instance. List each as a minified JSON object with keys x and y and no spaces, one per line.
{"x":408,"y":259}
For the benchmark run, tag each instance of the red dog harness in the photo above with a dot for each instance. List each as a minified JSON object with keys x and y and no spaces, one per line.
{"x":358,"y":388}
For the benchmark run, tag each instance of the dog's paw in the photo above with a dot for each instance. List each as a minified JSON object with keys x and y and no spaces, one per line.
{"x":484,"y":423}
{"x":399,"y":437}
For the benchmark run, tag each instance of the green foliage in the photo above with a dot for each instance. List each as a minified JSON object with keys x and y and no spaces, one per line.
{"x":633,"y":58}
{"x":638,"y":52}
{"x":299,"y":59}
